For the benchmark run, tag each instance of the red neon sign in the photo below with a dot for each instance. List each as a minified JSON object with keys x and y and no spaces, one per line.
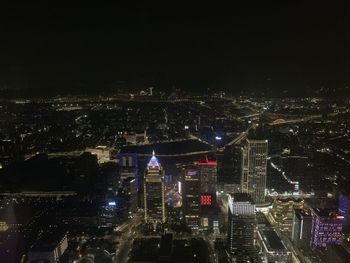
{"x":213,"y":163}
{"x":206,"y":200}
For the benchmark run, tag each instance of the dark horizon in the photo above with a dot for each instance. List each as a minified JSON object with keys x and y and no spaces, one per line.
{"x":291,"y":47}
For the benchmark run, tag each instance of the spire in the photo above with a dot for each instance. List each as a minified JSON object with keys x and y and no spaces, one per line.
{"x":153,"y":162}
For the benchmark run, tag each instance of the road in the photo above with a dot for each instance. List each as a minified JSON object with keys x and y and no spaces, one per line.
{"x":211,"y":250}
{"x":129,"y":233}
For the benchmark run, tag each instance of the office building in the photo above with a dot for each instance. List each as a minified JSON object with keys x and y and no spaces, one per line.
{"x":241,"y":227}
{"x":254,"y":169}
{"x":272,"y":248}
{"x":128,"y":174}
{"x":190,"y":196}
{"x":127,"y":163}
{"x":154,"y":203}
{"x":282,"y":213}
{"x":301,"y":230}
{"x":49,"y":247}
{"x":326,"y":227}
{"x":208,"y":175}
{"x":208,"y":187}
{"x":133,"y":200}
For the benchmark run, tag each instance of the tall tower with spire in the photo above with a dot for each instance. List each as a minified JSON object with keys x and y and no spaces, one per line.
{"x":154,"y":196}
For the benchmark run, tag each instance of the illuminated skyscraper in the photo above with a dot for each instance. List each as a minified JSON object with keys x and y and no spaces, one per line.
{"x":254,"y":169}
{"x":208,"y":174}
{"x":327,"y":226}
{"x":208,"y":180}
{"x":190,"y":196}
{"x":154,"y":192}
{"x":241,"y":225}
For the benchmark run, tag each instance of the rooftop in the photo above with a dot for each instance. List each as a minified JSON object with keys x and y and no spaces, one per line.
{"x":241,"y":197}
{"x":48,"y":241}
{"x":302,"y":213}
{"x":327,"y":212}
{"x":272,"y":240}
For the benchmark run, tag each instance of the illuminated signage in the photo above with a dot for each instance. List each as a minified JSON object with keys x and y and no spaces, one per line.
{"x":206,"y":200}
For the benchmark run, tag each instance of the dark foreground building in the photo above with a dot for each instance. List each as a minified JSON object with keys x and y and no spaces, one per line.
{"x":241,"y":226}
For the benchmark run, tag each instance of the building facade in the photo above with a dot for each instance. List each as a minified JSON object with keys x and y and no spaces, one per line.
{"x":326,"y":227}
{"x":154,"y":192}
{"x":190,"y":196}
{"x":208,"y":187}
{"x":282,"y":213}
{"x":208,"y":175}
{"x":241,"y":227}
{"x":301,"y":231}
{"x":254,"y":169}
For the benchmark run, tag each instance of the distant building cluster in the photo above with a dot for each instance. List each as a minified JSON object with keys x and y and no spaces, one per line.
{"x":153,"y":178}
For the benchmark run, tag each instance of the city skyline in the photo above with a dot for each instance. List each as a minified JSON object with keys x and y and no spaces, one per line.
{"x":175,"y":132}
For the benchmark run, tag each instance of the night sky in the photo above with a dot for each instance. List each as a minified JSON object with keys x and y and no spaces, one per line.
{"x":275,"y":45}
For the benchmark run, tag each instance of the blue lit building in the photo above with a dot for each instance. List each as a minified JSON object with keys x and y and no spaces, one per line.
{"x":154,"y":192}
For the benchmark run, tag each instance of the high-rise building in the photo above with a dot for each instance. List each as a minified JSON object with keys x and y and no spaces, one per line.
{"x":326,"y":228}
{"x":208,"y":180}
{"x":254,"y":169}
{"x":190,"y":196}
{"x":128,"y":174}
{"x":133,"y":201}
{"x":208,"y":175}
{"x":127,"y":163}
{"x":301,"y":231}
{"x":154,"y":192}
{"x":241,"y":226}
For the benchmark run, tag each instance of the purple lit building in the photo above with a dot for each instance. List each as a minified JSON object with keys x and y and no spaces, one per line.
{"x":327,"y":225}
{"x":343,"y":209}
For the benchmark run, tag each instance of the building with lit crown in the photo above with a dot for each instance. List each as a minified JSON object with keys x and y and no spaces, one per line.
{"x":208,"y":175}
{"x":208,"y":187}
{"x":254,"y":169}
{"x":154,"y":196}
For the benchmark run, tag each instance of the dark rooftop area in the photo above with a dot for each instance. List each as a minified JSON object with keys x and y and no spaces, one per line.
{"x":339,"y":250}
{"x":48,"y":241}
{"x":166,"y":244}
{"x":273,"y":241}
{"x":302,"y":213}
{"x":325,"y":212}
{"x":242,"y":197}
